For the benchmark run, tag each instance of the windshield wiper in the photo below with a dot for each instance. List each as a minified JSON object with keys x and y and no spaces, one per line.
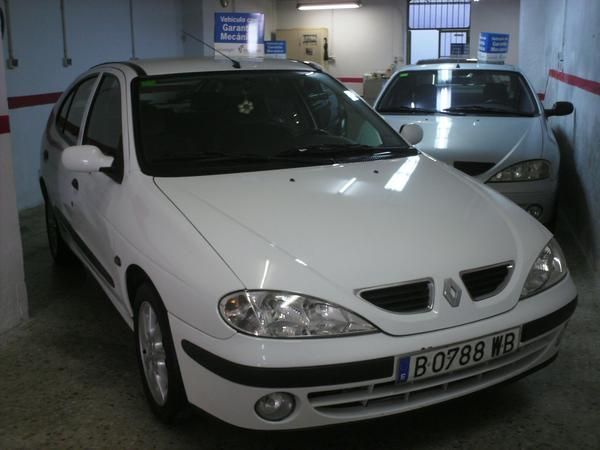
{"x":348,"y":151}
{"x":485,"y":109}
{"x":409,"y":110}
{"x":211,"y":157}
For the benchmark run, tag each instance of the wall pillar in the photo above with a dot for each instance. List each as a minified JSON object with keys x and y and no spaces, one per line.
{"x":13,"y":295}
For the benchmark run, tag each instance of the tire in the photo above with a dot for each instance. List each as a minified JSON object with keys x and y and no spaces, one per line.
{"x":60,"y":251}
{"x":156,"y":356}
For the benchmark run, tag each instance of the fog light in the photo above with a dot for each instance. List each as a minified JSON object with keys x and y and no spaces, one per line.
{"x":276,"y":406}
{"x":535,"y":210}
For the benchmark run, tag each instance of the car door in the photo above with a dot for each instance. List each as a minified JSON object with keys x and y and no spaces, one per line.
{"x":98,"y":193}
{"x":64,"y":131}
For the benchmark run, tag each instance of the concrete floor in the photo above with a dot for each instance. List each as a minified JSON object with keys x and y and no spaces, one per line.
{"x":68,"y":378}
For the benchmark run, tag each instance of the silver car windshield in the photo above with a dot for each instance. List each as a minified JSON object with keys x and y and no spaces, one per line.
{"x":459,"y":91}
{"x":227,"y":122}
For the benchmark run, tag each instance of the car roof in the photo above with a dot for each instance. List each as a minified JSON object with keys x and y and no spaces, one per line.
{"x":459,"y":65}
{"x":164,"y":66}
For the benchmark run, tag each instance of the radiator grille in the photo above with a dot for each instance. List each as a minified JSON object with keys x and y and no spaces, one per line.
{"x":486,"y":281}
{"x":473,"y":168}
{"x":415,"y":296}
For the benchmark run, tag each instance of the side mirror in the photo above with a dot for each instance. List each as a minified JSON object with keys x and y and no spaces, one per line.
{"x":560,"y":109}
{"x":85,"y":158}
{"x":412,"y":133}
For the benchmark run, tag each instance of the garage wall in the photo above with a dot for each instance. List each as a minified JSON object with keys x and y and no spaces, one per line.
{"x":496,"y":16}
{"x":559,"y":52}
{"x":96,"y":32}
{"x":361,"y":40}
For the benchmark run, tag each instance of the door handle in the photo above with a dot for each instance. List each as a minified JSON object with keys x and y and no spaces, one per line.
{"x":75,"y":184}
{"x":46,"y":155}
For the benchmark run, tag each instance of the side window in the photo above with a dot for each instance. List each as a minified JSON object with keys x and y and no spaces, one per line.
{"x":71,"y":119}
{"x":61,"y":119}
{"x":104,"y":126}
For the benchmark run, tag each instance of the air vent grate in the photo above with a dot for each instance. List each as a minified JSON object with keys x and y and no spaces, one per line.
{"x":415,"y":296}
{"x":487,"y":281}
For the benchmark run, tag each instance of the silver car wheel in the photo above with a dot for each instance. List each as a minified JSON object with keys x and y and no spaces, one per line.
{"x":152,"y":353}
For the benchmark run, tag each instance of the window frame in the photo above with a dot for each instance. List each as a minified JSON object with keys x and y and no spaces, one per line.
{"x":117,"y":169}
{"x":68,"y":103}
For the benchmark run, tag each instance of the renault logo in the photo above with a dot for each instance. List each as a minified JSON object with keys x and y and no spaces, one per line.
{"x":452,"y":292}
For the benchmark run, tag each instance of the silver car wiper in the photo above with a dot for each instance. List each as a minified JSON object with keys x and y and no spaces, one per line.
{"x":486,"y":109}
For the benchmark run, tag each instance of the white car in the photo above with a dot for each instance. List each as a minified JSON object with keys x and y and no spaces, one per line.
{"x":485,"y":120}
{"x":284,"y":258}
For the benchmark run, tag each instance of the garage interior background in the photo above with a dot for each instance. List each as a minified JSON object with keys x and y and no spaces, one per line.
{"x":554,"y":41}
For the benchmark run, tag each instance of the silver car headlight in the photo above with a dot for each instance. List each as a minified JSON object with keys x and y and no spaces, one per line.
{"x":536,"y":169}
{"x":286,"y":315}
{"x":549,"y":268}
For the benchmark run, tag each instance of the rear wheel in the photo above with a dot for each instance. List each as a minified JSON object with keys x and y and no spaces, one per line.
{"x":156,"y":356}
{"x":61,"y":253}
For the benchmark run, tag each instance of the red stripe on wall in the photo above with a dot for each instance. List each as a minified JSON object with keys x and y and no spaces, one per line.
{"x":4,"y":125}
{"x":573,"y":80}
{"x":351,"y":79}
{"x":33,"y":100}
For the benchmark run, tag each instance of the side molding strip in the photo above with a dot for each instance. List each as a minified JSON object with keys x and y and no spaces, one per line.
{"x":291,"y":377}
{"x":84,"y":248}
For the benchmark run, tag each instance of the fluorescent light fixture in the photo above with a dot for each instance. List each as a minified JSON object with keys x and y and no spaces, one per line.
{"x":328,"y":5}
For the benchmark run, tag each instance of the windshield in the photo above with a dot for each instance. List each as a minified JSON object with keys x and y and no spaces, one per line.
{"x":458,"y":91}
{"x":225,"y":122}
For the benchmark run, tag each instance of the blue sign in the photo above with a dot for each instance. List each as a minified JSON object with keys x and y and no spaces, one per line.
{"x":276,"y":49}
{"x":493,"y":47}
{"x":239,"y":28}
{"x":493,"y":42}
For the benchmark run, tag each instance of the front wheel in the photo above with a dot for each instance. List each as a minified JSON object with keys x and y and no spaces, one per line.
{"x":156,"y":356}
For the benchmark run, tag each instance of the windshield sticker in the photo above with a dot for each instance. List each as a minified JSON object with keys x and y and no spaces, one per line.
{"x":403,"y":74}
{"x":246,"y":107}
{"x":148,"y":83}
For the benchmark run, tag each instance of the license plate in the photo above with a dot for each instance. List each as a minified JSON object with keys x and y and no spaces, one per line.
{"x":454,"y":357}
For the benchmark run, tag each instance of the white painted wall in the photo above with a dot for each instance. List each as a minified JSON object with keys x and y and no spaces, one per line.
{"x":496,"y":16}
{"x":13,"y":296}
{"x":563,"y":35}
{"x":97,"y":31}
{"x":362,"y":40}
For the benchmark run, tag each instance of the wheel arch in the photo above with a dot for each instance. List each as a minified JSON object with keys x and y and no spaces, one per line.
{"x":135,"y":276}
{"x":44,"y":190}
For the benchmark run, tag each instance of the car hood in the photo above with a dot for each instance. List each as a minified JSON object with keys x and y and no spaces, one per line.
{"x":330,"y":231}
{"x":476,"y":138}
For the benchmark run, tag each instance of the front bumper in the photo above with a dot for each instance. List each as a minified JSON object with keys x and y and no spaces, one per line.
{"x":349,"y":379}
{"x":531,"y":193}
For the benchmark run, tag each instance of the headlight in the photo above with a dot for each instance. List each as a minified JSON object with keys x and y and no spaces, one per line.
{"x":536,"y":169}
{"x":286,"y":315}
{"x":549,"y":268}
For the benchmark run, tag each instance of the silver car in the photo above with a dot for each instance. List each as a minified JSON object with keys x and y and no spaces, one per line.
{"x":485,"y":120}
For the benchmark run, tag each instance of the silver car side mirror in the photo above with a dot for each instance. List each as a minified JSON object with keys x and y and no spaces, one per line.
{"x":412,"y":133}
{"x":85,"y":158}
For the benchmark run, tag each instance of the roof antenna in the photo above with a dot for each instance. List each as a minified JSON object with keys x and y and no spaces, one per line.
{"x":236,"y":64}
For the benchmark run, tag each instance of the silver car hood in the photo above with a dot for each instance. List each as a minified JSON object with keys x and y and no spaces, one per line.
{"x":476,"y":139}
